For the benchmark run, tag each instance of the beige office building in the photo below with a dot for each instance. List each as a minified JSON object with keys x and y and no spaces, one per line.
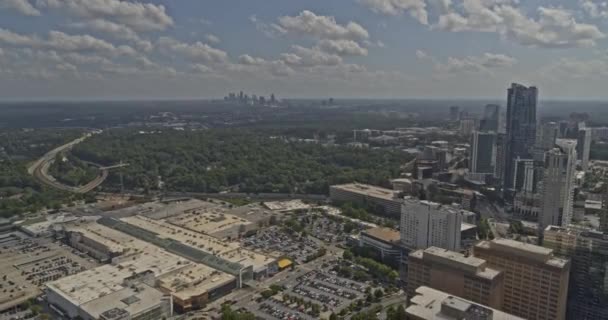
{"x":431,"y":304}
{"x":536,"y":282}
{"x":361,"y":193}
{"x":454,"y":273}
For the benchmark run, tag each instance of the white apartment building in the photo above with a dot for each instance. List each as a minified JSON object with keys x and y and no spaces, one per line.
{"x":426,"y":224}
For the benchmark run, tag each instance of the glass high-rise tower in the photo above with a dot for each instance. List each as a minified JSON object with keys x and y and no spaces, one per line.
{"x":521,"y":128}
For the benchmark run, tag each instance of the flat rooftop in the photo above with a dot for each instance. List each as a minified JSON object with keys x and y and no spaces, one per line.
{"x":161,"y":209}
{"x":561,"y":230}
{"x":90,"y":285}
{"x":526,"y":250}
{"x":194,"y":280}
{"x":230,"y":251}
{"x":456,"y":260}
{"x":431,"y":304}
{"x":107,"y":279}
{"x":416,"y":204}
{"x":368,"y":190}
{"x":134,"y":300}
{"x":207,"y":221}
{"x":192,"y":238}
{"x":117,"y":241}
{"x":42,"y":225}
{"x":384,"y":234}
{"x":289,"y":205}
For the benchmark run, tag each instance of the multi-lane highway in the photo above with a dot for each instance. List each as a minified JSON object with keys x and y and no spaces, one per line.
{"x":39,"y":170}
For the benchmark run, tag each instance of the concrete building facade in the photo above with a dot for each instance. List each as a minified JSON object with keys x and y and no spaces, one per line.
{"x":385,"y":241}
{"x":588,"y":251}
{"x":425,"y":224}
{"x":583,"y":147}
{"x":362,"y":193}
{"x":431,"y":304}
{"x":454,"y":273}
{"x":536,"y":281}
{"x":557,"y":187}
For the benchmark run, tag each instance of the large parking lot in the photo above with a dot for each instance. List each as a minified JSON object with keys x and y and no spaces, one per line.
{"x":330,"y":230}
{"x":27,"y":264}
{"x":276,"y":309}
{"x":312,"y":295}
{"x":274,"y":241}
{"x":327,"y":289}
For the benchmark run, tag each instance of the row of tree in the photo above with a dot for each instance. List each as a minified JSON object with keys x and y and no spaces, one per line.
{"x":235,"y":160}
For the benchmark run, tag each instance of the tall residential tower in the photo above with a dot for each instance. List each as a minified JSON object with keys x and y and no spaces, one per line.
{"x":557,"y":187}
{"x":425,"y":224}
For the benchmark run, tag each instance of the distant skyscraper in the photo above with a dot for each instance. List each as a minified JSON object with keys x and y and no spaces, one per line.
{"x":467,"y":126}
{"x":273,"y":99}
{"x":536,"y":281}
{"x":588,"y":288}
{"x":425,"y":224}
{"x":564,"y":127}
{"x":454,"y":113}
{"x":491,"y":118}
{"x":583,"y":148}
{"x":501,"y":145}
{"x":557,"y":188}
{"x":483,"y":152}
{"x":545,"y":139}
{"x":521,"y":127}
{"x":569,"y":147}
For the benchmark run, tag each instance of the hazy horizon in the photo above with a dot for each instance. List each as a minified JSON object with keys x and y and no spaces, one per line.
{"x":413,"y":49}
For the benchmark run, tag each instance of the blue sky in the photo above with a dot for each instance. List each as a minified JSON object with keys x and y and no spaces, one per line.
{"x":91,"y":49}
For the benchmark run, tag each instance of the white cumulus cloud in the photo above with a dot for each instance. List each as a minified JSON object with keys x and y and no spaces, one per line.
{"x":322,"y":27}
{"x":137,"y":15}
{"x":197,"y":51}
{"x":342,"y":47}
{"x":476,"y":64}
{"x":554,"y":28}
{"x":211,"y":38}
{"x":415,"y":8}
{"x":595,"y":9}
{"x":22,"y":6}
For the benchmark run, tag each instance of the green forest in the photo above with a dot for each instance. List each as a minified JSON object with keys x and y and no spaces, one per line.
{"x":19,"y":191}
{"x":72,"y":171}
{"x":235,"y":160}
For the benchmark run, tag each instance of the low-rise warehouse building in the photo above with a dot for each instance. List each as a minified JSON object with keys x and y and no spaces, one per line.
{"x":156,"y":262}
{"x":194,"y":286}
{"x":385,"y":241}
{"x":210,"y":221}
{"x":105,"y":290}
{"x":361,"y":193}
{"x":225,"y":256}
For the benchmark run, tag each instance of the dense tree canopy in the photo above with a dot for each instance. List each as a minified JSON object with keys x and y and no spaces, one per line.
{"x":234,"y":160}
{"x":19,"y":191}
{"x":72,"y":171}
